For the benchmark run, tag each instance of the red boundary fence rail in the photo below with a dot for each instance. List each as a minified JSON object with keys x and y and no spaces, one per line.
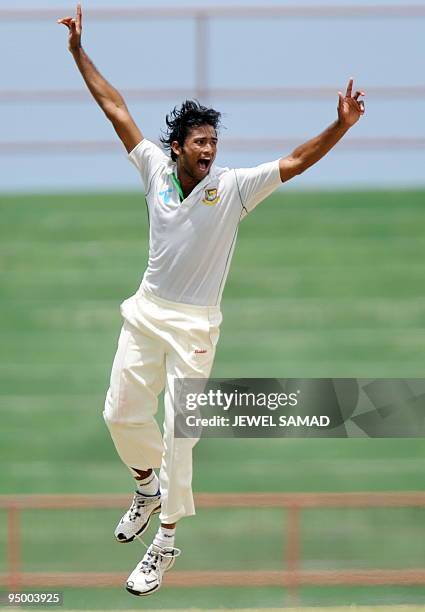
{"x":103,"y":147}
{"x":292,"y":577}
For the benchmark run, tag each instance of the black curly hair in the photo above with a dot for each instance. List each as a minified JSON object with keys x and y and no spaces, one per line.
{"x":191,"y":114}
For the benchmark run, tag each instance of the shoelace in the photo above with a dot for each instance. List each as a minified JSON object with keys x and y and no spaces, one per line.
{"x":176,"y":552}
{"x":138,"y":502}
{"x":152,"y":563}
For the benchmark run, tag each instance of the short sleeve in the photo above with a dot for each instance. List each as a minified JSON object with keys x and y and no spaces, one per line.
{"x":256,"y":184}
{"x":147,"y":157}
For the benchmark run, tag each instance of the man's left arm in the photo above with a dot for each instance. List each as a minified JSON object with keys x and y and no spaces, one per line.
{"x":350,"y":109}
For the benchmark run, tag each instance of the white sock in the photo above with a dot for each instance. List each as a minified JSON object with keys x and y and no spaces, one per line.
{"x":149,"y":485}
{"x":165,"y":537}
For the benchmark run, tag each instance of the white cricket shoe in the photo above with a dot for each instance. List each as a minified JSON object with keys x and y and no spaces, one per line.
{"x":137,"y":518}
{"x":146,"y":578}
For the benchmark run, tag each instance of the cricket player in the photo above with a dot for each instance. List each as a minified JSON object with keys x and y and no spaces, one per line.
{"x":171,"y":325}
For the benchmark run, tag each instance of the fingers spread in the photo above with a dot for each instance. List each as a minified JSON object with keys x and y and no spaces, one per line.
{"x":349,"y":88}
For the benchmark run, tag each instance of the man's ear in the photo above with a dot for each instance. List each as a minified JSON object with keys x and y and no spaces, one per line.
{"x":176,"y":148}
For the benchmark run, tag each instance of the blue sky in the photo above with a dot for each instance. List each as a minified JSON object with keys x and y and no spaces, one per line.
{"x":245,"y":53}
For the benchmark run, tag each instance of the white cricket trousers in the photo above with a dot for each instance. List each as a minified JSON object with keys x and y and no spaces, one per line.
{"x":159,"y":341}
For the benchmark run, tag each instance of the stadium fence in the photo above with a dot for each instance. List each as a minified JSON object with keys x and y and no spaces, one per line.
{"x":291,"y":577}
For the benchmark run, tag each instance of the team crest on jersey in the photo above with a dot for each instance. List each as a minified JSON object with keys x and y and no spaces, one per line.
{"x":211,"y":198}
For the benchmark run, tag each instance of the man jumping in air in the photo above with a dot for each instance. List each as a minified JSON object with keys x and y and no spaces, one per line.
{"x":171,"y":325}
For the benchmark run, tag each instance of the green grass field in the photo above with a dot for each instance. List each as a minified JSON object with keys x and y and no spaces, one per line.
{"x":333,"y":609}
{"x":327,"y":284}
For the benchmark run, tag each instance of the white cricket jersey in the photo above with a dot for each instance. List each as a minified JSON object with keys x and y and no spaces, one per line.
{"x":191,"y":242}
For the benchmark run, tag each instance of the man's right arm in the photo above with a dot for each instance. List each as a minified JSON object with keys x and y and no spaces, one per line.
{"x":108,"y":98}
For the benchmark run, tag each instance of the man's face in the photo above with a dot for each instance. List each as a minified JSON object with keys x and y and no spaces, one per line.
{"x":198,"y":152}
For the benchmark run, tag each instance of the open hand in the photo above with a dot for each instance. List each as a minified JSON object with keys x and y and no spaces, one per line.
{"x":350,"y":108}
{"x":74,"y":25}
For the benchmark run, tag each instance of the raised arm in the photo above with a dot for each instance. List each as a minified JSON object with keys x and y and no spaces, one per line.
{"x":108,"y":98}
{"x":350,"y":109}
